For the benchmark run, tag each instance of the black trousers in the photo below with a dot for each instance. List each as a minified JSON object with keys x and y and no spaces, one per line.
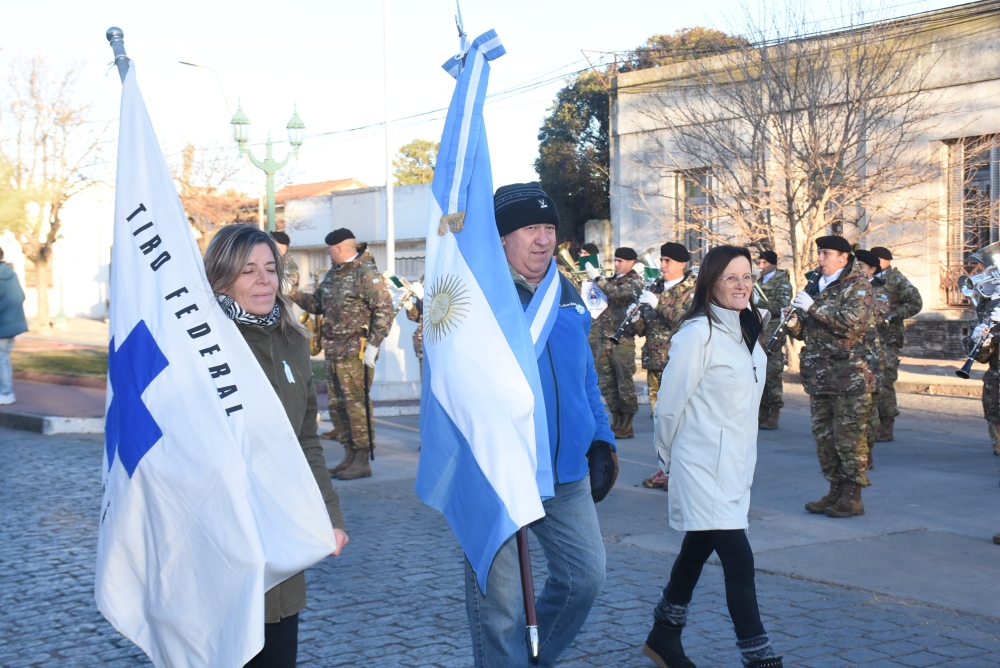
{"x":281,"y":645}
{"x":736,"y":556}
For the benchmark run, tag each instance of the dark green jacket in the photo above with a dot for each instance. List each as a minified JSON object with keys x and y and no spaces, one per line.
{"x":273,"y":351}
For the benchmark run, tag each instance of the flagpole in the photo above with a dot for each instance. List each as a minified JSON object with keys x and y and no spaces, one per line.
{"x":528,"y":591}
{"x":117,"y":39}
{"x":390,"y":214}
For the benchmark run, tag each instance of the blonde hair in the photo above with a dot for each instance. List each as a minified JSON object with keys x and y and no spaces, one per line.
{"x":227,"y":255}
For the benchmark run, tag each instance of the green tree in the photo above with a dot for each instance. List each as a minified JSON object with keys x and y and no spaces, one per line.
{"x":574,"y":149}
{"x":415,"y":162}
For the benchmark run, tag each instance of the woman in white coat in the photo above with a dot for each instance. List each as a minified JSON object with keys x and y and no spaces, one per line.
{"x":707,"y":425}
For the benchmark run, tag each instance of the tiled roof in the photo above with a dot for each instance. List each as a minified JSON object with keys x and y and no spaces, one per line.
{"x":316,"y":189}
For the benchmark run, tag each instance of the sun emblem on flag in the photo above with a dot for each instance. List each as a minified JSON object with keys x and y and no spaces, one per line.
{"x":447,"y":305}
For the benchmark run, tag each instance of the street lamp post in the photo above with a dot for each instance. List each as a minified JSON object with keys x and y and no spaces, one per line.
{"x":270,"y":166}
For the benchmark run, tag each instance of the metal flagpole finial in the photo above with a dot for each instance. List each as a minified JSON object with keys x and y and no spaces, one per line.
{"x":463,"y":38}
{"x":117,"y":39}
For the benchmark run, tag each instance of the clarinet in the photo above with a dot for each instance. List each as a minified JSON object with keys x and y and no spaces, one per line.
{"x":630,"y":313}
{"x":980,"y":342}
{"x":786,"y":313}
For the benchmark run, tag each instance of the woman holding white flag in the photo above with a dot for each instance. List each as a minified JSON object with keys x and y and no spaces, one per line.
{"x":706,"y":425}
{"x":245,"y":270}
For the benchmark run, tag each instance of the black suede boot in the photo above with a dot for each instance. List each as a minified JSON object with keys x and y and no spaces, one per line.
{"x":663,"y":646}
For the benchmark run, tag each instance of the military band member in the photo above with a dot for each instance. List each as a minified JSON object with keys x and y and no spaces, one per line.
{"x":355,"y":305}
{"x":904,"y":302}
{"x":616,"y":362}
{"x":663,"y":306}
{"x":876,"y":351}
{"x":414,"y":307}
{"x":777,"y":288}
{"x":989,"y":354}
{"x":291,"y":269}
{"x":838,"y":312}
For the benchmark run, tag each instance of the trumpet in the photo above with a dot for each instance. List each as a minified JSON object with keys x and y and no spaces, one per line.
{"x":314,"y":324}
{"x":407,"y":292}
{"x":759,"y":292}
{"x":786,"y":314}
{"x":565,"y":259}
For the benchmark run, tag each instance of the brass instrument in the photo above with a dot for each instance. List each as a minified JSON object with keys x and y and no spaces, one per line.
{"x":759,"y":291}
{"x":314,"y":324}
{"x":407,"y":292}
{"x":565,"y":259}
{"x":983,"y":290}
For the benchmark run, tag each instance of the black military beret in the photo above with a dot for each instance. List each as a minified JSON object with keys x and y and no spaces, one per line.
{"x":337,"y":236}
{"x":675,"y":252}
{"x":834,"y":242}
{"x":867,"y":256}
{"x":590,"y":248}
{"x":281,"y":238}
{"x":626,"y":253}
{"x":882,"y":252}
{"x":769,"y":256}
{"x":521,"y":204}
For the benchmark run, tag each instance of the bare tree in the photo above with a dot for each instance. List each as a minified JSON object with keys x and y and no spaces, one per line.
{"x":800,"y":135}
{"x":201,"y":178}
{"x":51,"y":148}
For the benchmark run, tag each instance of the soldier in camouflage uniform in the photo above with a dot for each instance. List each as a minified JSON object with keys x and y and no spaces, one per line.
{"x":777,"y":288}
{"x":904,"y":302}
{"x":414,"y":307}
{"x":291,"y":269}
{"x":615,"y":363}
{"x":875,"y":351}
{"x":989,"y":354}
{"x":660,"y":314}
{"x":838,"y":314}
{"x":355,"y":304}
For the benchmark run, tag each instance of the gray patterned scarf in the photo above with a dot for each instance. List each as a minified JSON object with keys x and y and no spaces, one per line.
{"x":235,"y":312}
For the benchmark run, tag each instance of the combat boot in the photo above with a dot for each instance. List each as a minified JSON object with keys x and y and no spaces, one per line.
{"x":624,"y":429}
{"x":849,"y":504}
{"x":819,"y":507}
{"x":616,"y":419}
{"x":996,"y":538}
{"x":762,"y":413}
{"x":994,"y":437}
{"x":346,"y":461}
{"x":885,"y":433}
{"x":329,"y":435}
{"x":772,"y":419}
{"x":663,"y":646}
{"x":359,"y":466}
{"x":770,"y":662}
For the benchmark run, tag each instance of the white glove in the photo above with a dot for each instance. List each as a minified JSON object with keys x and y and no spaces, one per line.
{"x":418,"y":289}
{"x":756,"y":297}
{"x":371,"y":352}
{"x":649,"y":299}
{"x":978,"y":331}
{"x":802,"y":301}
{"x":593,"y":273}
{"x":995,"y":315}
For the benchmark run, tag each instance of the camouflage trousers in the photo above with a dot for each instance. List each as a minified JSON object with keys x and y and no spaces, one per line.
{"x":653,"y":379}
{"x":840,"y":427}
{"x":345,"y":389}
{"x":991,"y":396}
{"x":874,"y":421}
{"x":886,"y":406}
{"x":774,"y":389}
{"x":615,"y":365}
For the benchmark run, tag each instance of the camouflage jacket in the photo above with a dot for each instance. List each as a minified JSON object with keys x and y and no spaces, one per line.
{"x":904,"y":302}
{"x":778,"y":291}
{"x":354,"y":302}
{"x":416,"y":314}
{"x":621,"y":291}
{"x":836,"y":331}
{"x":874,"y":346}
{"x":659,"y":324}
{"x":291,"y":273}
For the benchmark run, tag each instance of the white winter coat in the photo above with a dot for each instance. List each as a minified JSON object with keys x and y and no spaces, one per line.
{"x":706,"y":422}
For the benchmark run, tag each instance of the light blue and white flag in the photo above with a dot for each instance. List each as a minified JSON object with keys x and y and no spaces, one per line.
{"x":208,"y":499}
{"x":485,"y":460}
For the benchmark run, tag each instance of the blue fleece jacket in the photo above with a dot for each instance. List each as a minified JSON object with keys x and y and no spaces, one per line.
{"x":573,"y":405}
{"x":12,"y":320}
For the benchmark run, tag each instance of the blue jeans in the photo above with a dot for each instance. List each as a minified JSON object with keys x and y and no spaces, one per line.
{"x":574,"y":550}
{"x":6,"y":371}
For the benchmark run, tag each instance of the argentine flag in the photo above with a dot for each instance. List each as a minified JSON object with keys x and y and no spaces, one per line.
{"x":208,"y":499}
{"x":485,"y":460}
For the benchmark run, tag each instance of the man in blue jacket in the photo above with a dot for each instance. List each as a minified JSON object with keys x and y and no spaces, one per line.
{"x":580,"y":440}
{"x":12,"y":323}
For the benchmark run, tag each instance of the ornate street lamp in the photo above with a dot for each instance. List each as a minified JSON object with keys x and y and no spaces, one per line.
{"x":241,"y":133}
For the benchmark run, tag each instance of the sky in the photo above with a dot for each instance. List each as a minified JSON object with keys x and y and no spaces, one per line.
{"x":326,"y":60}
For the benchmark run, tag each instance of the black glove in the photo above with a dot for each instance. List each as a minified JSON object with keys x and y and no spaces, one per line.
{"x":603,"y":463}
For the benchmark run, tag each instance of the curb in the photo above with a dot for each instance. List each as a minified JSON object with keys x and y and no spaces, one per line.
{"x":962,"y":390}
{"x":58,"y":379}
{"x":51,"y":425}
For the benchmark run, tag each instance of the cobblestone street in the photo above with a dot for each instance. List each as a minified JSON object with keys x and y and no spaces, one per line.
{"x":833,"y":593}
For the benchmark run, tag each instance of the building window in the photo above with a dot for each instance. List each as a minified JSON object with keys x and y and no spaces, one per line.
{"x":973,"y":179}
{"x":698,"y":212}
